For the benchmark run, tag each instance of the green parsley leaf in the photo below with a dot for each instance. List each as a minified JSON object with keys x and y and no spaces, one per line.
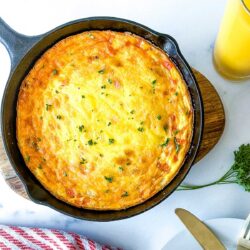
{"x":48,"y":106}
{"x":165,"y":143}
{"x":59,"y":117}
{"x":165,"y":127}
{"x":90,"y":142}
{"x":109,"y":179}
{"x":141,"y":129}
{"x":111,"y":140}
{"x":101,"y":71}
{"x":81,"y":128}
{"x":176,"y":131}
{"x":83,"y":161}
{"x":159,"y":117}
{"x":125,"y":194}
{"x":109,"y":81}
{"x":54,"y":71}
{"x":239,"y":173}
{"x":27,"y":158}
{"x":177,"y":145}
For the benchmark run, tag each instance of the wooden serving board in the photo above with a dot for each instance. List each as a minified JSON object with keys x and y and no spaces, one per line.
{"x":214,"y":121}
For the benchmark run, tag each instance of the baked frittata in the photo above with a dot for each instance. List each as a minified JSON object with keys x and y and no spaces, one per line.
{"x":104,"y":120}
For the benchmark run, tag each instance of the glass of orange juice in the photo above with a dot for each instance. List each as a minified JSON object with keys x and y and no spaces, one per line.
{"x":232,"y":48}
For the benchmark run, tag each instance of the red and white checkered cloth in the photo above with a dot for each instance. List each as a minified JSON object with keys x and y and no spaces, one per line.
{"x":23,"y":238}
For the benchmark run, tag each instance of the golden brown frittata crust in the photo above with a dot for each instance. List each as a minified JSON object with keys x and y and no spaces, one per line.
{"x":104,"y":120}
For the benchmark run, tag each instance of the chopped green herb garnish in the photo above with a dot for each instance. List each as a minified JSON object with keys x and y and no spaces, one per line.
{"x":57,"y":91}
{"x":101,"y":155}
{"x":27,"y":158}
{"x":141,"y":123}
{"x":59,"y":117}
{"x":177,"y":145}
{"x":109,"y":123}
{"x":54,"y":71}
{"x":120,"y":168}
{"x":109,"y":179}
{"x":125,"y":194}
{"x":132,"y":111}
{"x":109,"y":81}
{"x":39,"y":139}
{"x":165,"y":127}
{"x":154,"y":82}
{"x":83,"y":161}
{"x":141,"y":129}
{"x":101,"y":71}
{"x":111,"y":140}
{"x":81,"y":128}
{"x":159,"y":117}
{"x":165,"y":143}
{"x":91,"y":35}
{"x":83,"y":96}
{"x":40,"y":166}
{"x":48,"y":106}
{"x":103,"y":87}
{"x":176,"y":93}
{"x":176,"y":132}
{"x":41,"y":117}
{"x":65,"y":174}
{"x":90,"y":142}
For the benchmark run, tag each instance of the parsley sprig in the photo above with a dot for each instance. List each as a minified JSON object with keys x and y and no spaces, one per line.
{"x":239,"y":172}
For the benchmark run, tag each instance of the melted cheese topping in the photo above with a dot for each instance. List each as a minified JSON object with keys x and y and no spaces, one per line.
{"x":104,"y":120}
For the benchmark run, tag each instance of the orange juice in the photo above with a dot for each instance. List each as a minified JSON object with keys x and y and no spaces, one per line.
{"x":232,"y":47}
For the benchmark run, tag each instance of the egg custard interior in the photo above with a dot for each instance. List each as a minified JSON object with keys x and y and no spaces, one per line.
{"x":104,"y":120}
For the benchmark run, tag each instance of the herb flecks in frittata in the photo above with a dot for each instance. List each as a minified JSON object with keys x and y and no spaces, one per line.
{"x":108,"y":128}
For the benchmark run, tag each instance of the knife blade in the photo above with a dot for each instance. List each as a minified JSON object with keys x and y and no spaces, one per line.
{"x":205,"y":237}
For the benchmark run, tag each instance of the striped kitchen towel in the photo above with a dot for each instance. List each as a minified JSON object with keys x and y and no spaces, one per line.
{"x":23,"y":238}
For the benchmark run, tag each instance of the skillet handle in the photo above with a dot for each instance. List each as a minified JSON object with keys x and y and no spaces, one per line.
{"x":16,"y":44}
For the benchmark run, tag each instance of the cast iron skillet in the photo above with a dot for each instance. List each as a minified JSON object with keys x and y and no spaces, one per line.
{"x":25,"y":50}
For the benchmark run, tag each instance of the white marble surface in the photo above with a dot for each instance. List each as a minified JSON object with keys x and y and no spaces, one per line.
{"x":194,"y":24}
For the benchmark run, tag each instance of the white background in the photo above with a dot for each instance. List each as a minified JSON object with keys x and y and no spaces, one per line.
{"x":194,"y":24}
